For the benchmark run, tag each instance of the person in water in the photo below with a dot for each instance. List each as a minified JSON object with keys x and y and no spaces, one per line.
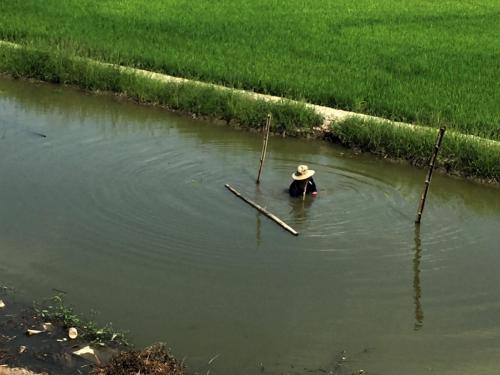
{"x":301,"y":179}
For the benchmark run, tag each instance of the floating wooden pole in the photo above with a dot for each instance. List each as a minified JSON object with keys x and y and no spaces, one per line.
{"x":264,"y":146}
{"x":429,"y":175}
{"x":263,"y":210}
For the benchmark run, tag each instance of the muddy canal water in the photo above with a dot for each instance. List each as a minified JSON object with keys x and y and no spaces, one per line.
{"x":124,"y":208}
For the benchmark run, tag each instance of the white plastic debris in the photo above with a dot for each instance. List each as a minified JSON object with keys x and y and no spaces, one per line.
{"x":32,"y":332}
{"x":84,"y":351}
{"x":72,"y":333}
{"x":22,"y":349}
{"x":88,"y":353}
{"x":2,"y":304}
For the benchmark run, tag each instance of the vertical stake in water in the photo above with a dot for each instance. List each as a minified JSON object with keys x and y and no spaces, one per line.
{"x":429,"y":175}
{"x":264,"y":146}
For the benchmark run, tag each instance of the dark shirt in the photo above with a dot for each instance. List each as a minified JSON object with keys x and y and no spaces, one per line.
{"x":296,"y":188}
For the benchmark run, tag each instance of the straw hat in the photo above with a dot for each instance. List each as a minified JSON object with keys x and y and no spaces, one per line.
{"x":302,"y":173}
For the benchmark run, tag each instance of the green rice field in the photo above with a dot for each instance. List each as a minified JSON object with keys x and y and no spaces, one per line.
{"x":429,"y":62}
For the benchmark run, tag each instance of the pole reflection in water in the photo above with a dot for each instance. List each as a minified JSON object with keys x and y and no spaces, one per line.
{"x":419,"y":313}
{"x":257,"y":230}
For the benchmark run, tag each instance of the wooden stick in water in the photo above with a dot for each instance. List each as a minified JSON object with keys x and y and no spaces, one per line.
{"x":264,"y":211}
{"x":429,"y":175}
{"x":264,"y":146}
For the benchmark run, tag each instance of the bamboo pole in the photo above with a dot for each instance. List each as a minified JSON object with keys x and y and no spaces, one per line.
{"x":263,"y":210}
{"x":305,"y":190}
{"x":264,"y":146}
{"x":420,"y":209}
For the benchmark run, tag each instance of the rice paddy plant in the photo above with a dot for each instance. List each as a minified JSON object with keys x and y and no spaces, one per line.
{"x":432,"y":63}
{"x":459,"y":154}
{"x":204,"y":100}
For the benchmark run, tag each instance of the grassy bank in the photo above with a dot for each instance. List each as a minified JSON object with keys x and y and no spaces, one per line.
{"x":433,"y":63}
{"x":202,"y":100}
{"x":463,"y":155}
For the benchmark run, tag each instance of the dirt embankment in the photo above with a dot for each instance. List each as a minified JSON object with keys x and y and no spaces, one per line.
{"x":35,"y":342}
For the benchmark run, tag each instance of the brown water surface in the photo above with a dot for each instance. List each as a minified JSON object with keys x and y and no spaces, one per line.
{"x":124,"y":208}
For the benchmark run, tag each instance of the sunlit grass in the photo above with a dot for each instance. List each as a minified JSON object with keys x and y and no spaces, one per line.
{"x":203,"y":100}
{"x":429,"y":62}
{"x":459,"y":154}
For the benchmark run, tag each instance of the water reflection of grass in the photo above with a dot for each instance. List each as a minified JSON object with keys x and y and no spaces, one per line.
{"x":203,"y":100}
{"x":433,"y":63}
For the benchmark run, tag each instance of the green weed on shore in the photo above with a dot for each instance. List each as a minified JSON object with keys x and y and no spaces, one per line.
{"x":459,"y":154}
{"x":57,"y":311}
{"x":203,"y":100}
{"x":428,"y":62}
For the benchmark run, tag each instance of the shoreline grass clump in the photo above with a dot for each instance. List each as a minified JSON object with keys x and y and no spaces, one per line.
{"x":460,"y":154}
{"x":429,"y":63}
{"x":200,"y":99}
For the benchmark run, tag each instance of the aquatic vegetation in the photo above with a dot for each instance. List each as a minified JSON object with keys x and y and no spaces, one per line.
{"x":432,"y":63}
{"x":459,"y":154}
